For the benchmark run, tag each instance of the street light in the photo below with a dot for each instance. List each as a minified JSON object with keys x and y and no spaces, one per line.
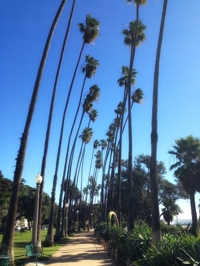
{"x":91,"y":220}
{"x":38,"y":181}
{"x":66,"y":219}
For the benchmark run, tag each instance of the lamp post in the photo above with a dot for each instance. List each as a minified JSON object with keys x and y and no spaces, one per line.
{"x":66,"y":219}
{"x":77,"y":212}
{"x":38,"y":181}
{"x":91,"y":220}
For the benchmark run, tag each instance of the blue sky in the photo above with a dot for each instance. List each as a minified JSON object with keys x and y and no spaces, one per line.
{"x":24,"y":27}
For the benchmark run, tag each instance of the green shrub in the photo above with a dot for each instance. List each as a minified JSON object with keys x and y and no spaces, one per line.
{"x":99,"y":228}
{"x":172,"y":250}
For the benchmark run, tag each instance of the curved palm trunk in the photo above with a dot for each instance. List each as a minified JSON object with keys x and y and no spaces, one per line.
{"x":87,"y":186}
{"x":49,"y":123}
{"x":49,"y":241}
{"x":58,"y":233}
{"x":105,"y":199}
{"x":102,"y":191}
{"x":194,"y":214}
{"x":156,"y":232}
{"x":113,"y":168}
{"x":119,"y":164}
{"x":130,"y":151}
{"x":77,"y":170}
{"x":7,"y":244}
{"x":109,"y":208}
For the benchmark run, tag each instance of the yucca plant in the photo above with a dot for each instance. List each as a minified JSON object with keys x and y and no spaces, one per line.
{"x":190,"y":253}
{"x":166,"y":253}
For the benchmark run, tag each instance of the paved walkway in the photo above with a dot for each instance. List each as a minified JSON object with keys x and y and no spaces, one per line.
{"x":82,"y":249}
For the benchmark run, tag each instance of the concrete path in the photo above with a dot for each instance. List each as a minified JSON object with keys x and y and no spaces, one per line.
{"x":82,"y":249}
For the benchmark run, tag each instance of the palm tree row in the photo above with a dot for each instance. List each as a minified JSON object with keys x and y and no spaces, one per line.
{"x":109,"y":158}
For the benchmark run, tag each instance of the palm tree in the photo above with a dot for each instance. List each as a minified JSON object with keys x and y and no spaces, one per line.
{"x":187,"y":170}
{"x":7,"y":244}
{"x":91,"y":32}
{"x":136,"y":97}
{"x":43,"y":166}
{"x":133,"y":37}
{"x":93,"y":114}
{"x":89,"y":69}
{"x":103,"y":147}
{"x":96,"y":144}
{"x":156,"y":232}
{"x":85,"y":137}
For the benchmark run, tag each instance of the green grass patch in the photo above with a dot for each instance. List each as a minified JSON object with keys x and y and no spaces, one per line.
{"x":20,"y":240}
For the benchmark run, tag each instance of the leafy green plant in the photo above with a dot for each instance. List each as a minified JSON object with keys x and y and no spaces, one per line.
{"x":99,"y":228}
{"x":190,"y":253}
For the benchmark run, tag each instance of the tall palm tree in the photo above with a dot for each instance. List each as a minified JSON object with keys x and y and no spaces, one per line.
{"x":85,"y":137}
{"x":123,"y":82}
{"x":93,"y":114}
{"x":91,"y":32}
{"x":89,"y":69}
{"x":133,"y":37}
{"x":46,"y":144}
{"x":156,"y":232}
{"x":96,"y":144}
{"x":7,"y":244}
{"x":103,"y":147}
{"x":187,"y":170}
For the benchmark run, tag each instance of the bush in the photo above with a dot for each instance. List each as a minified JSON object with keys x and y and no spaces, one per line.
{"x":99,"y":228}
{"x":172,"y":250}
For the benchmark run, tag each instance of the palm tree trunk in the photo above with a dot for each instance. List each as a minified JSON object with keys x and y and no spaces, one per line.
{"x":130,"y":151}
{"x":50,"y":120}
{"x":156,"y":232}
{"x":49,"y":238}
{"x":119,"y":164}
{"x":58,"y":233}
{"x":194,"y":214}
{"x":7,"y":244}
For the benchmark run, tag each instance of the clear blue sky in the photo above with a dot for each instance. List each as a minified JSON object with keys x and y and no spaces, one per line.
{"x":24,"y":27}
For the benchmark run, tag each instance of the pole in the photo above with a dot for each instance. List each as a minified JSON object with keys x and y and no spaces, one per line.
{"x":35,"y":221}
{"x":66,"y":221}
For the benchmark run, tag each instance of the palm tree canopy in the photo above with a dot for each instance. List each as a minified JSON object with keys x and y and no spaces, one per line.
{"x":90,"y":66}
{"x":124,"y":78}
{"x":120,"y":109}
{"x":130,"y":33}
{"x":137,"y":2}
{"x":90,"y":29}
{"x":94,"y":93}
{"x":93,"y":115}
{"x":86,"y":134}
{"x":138,"y":96}
{"x":187,"y":165}
{"x":103,"y":144}
{"x":96,"y":144}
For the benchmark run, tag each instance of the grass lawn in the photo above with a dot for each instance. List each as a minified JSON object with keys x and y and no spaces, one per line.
{"x":25,"y":238}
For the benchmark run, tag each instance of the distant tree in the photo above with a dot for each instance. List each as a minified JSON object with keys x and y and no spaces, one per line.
{"x":5,"y":193}
{"x":187,"y":170}
{"x":168,"y":195}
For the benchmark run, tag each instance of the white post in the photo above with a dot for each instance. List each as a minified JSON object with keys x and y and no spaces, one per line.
{"x":38,"y":180}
